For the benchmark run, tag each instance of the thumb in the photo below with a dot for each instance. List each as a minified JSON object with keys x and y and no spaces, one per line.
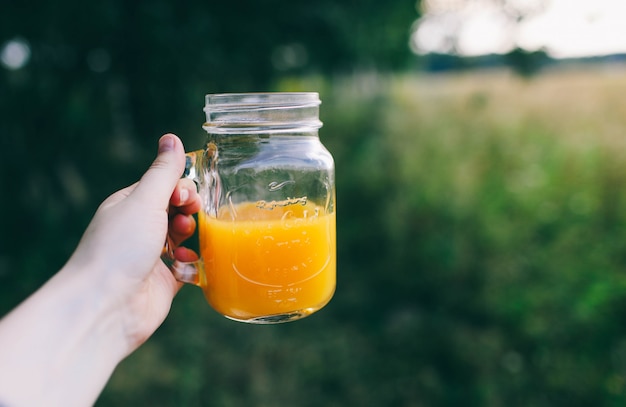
{"x":157,"y":184}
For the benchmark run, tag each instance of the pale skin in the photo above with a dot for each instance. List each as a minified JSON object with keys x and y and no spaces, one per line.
{"x":61,"y":345}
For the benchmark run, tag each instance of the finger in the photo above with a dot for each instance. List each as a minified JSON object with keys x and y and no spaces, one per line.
{"x":186,"y":255}
{"x":185,"y":198}
{"x":188,"y":209}
{"x":184,"y":193}
{"x":181,"y":227}
{"x":157,"y":184}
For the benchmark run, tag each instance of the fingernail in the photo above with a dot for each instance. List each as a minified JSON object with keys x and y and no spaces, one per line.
{"x":183,"y":195}
{"x":166,"y":143}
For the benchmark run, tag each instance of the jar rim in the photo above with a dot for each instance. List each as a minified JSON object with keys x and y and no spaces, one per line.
{"x":227,"y":101}
{"x":262,"y":112}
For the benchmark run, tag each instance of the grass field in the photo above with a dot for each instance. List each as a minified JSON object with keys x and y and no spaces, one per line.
{"x":489,"y":212}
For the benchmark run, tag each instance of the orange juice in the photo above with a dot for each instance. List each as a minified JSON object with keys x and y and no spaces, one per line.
{"x":268,"y":263}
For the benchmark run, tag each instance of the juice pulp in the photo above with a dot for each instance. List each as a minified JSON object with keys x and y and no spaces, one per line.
{"x":263,"y":262}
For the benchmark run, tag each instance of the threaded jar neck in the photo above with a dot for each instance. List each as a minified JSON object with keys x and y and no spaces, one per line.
{"x":278,"y":112}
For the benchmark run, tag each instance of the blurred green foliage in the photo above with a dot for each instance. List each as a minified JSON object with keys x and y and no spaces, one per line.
{"x":106,"y":79}
{"x":481,"y":217}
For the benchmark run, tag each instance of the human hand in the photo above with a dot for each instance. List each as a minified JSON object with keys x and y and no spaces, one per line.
{"x":60,"y":346}
{"x":121,"y":247}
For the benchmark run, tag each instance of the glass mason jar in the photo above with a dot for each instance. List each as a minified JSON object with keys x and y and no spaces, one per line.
{"x":267,"y":226}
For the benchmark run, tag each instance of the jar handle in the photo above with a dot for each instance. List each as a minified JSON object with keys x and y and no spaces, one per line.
{"x":185,"y":272}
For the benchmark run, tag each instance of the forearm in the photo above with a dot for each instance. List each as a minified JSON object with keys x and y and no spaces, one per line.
{"x":60,"y":346}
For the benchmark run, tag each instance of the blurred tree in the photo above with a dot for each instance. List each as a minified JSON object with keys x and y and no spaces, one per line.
{"x":526,"y":63}
{"x":243,"y":43}
{"x":445,"y":29}
{"x":102,"y":80}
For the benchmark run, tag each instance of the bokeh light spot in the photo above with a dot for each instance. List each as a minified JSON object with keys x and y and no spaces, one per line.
{"x":15,"y":54}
